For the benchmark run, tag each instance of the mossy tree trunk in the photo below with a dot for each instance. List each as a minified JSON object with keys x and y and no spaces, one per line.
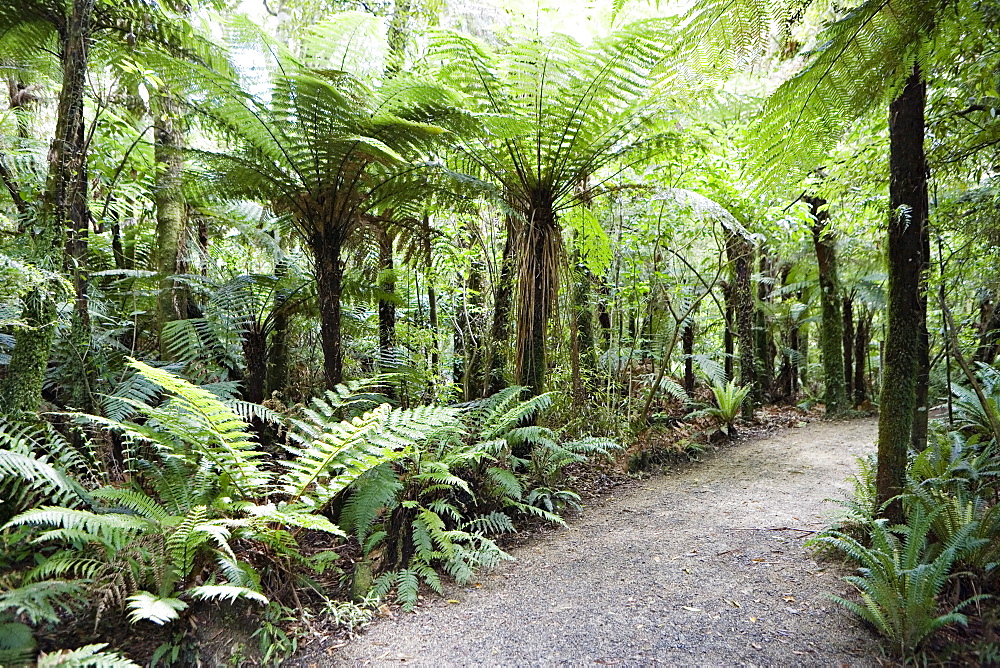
{"x":848,"y":340}
{"x":326,"y":249}
{"x":503,"y":300}
{"x":386,"y":308}
{"x":687,"y":340}
{"x":171,"y":212}
{"x":729,"y":325}
{"x":907,"y":217}
{"x":832,"y":325}
{"x":989,"y":331}
{"x":861,"y":340}
{"x":918,"y":433}
{"x":21,"y":389}
{"x":65,"y":224}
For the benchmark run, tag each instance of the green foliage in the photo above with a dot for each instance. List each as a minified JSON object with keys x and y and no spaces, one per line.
{"x":900,"y":579}
{"x":729,"y":399}
{"x":89,"y":656}
{"x":969,"y":410}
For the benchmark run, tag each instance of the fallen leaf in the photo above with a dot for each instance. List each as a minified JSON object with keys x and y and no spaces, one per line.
{"x":753,"y":619}
{"x":452,"y":600}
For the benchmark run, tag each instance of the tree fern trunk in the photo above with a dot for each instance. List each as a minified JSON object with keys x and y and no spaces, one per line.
{"x":502,"y":305}
{"x":688,"y":343}
{"x":255,"y":355}
{"x":740,"y":254}
{"x":861,"y":339}
{"x":989,"y":332}
{"x":728,"y":343}
{"x":21,"y":389}
{"x":538,"y":255}
{"x":67,"y":197}
{"x":918,"y":433}
{"x":832,"y":326}
{"x":329,"y":282}
{"x":386,"y":309}
{"x":277,"y":367}
{"x":171,"y":212}
{"x":908,"y":215}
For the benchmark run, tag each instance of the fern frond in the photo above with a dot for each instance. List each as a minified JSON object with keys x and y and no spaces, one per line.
{"x":88,"y":656}
{"x":226,"y":593}
{"x":144,"y":606}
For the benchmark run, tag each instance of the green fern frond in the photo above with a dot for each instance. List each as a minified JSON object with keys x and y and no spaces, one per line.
{"x":144,"y":606}
{"x":226,"y":593}
{"x":199,"y":419}
{"x":373,"y":492}
{"x":41,"y":602}
{"x":88,"y":656}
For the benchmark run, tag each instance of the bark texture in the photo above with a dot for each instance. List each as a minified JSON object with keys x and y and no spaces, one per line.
{"x":907,"y":217}
{"x":832,"y":327}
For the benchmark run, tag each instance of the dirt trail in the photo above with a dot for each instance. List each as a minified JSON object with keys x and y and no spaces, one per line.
{"x":691,"y":568}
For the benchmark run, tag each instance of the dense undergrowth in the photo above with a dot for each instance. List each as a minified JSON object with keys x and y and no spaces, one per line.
{"x":930,"y":585}
{"x":172,"y":503}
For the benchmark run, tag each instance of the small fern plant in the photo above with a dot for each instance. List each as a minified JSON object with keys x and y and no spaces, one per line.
{"x":900,"y":580}
{"x":729,"y":398}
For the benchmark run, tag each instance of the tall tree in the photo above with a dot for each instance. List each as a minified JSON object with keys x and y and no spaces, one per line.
{"x":333,"y":153}
{"x":557,"y":114}
{"x":832,"y":325}
{"x":908,"y":217}
{"x":869,"y":56}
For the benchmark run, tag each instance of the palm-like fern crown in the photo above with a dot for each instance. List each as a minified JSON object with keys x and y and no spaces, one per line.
{"x":555,"y":113}
{"x":325,"y":146}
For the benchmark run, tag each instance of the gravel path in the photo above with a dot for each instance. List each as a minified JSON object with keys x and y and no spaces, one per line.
{"x":691,"y":568}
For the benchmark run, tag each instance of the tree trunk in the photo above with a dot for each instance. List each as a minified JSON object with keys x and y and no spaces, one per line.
{"x":386,"y":309}
{"x":538,"y":244}
{"x":989,"y":332}
{"x":849,"y":346}
{"x":763,"y":338}
{"x":171,"y":211}
{"x":255,"y":355}
{"x":832,"y":326}
{"x":277,"y":368}
{"x":503,"y":298}
{"x":688,"y":343}
{"x":908,"y":215}
{"x":861,"y":340}
{"x":918,"y":433}
{"x":21,"y":389}
{"x":329,"y":283}
{"x":740,"y":254}
{"x":68,"y":190}
{"x":728,"y":344}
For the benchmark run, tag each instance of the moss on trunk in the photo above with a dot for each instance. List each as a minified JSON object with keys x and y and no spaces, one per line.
{"x":831,"y":333}
{"x":908,"y":215}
